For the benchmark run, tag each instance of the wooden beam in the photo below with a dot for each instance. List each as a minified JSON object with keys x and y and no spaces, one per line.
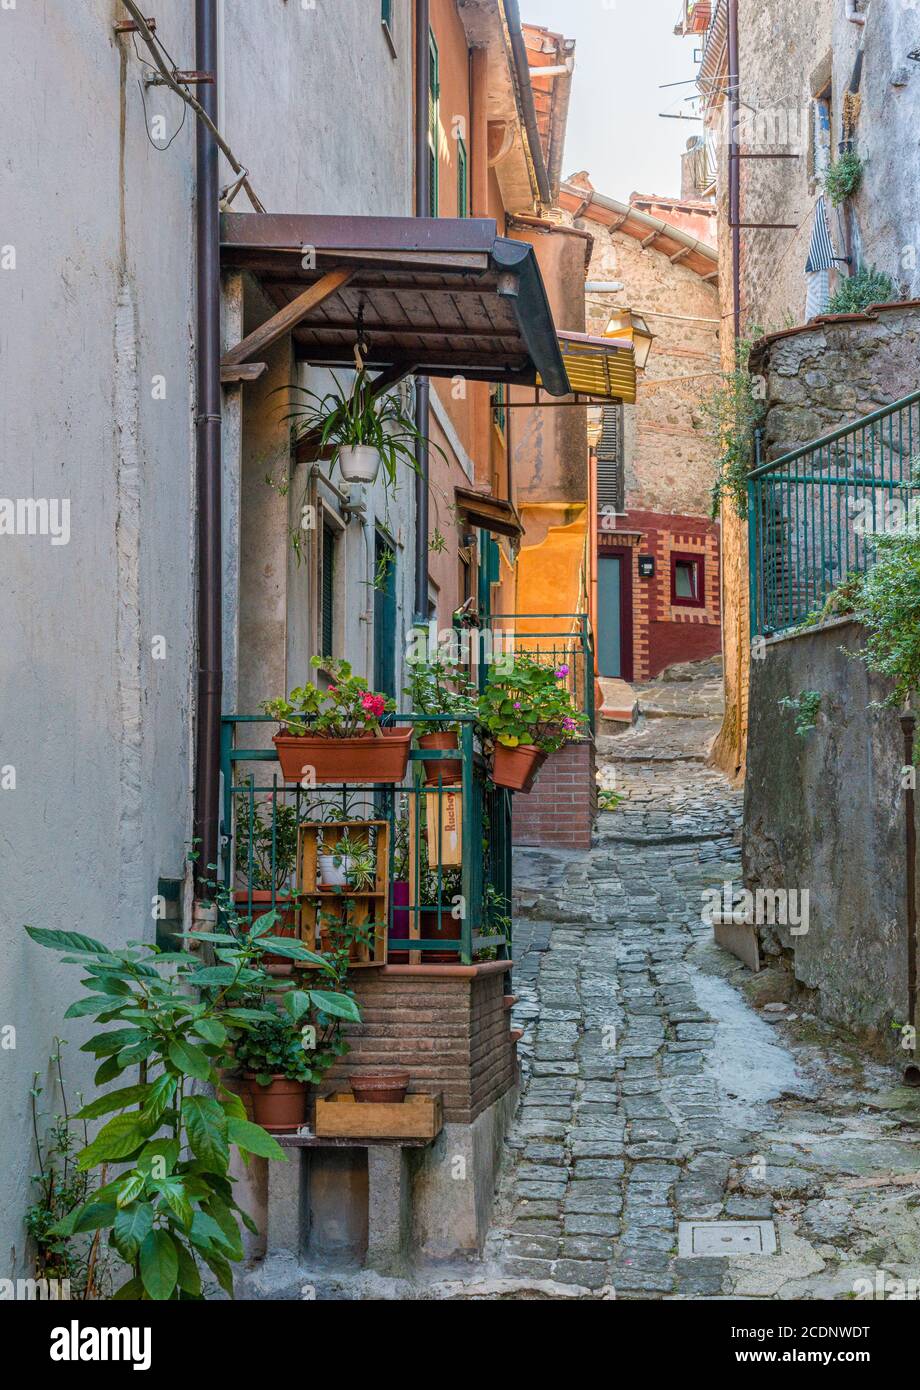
{"x":679,"y":255}
{"x":245,"y":371}
{"x":288,"y":317}
{"x":647,"y":240}
{"x":713,"y":275}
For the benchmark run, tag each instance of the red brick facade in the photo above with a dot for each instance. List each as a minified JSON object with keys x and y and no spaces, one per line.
{"x":447,"y":1025}
{"x":561,"y":808}
{"x":663,"y":632}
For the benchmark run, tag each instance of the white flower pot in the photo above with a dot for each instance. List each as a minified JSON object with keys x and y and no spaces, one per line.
{"x":333,"y":875}
{"x":359,"y":463}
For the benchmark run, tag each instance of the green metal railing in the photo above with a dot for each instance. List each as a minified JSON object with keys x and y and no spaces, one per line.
{"x":468,"y":905}
{"x":812,"y":512}
{"x":559,"y":639}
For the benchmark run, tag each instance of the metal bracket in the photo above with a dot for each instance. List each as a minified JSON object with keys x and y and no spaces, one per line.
{"x":187,"y":79}
{"x":129,"y":26}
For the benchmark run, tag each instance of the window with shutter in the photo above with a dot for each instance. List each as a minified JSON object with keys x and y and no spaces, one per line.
{"x":610,"y":490}
{"x":327,"y":594}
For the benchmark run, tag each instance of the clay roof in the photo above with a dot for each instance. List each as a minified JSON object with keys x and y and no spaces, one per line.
{"x":868,"y":315}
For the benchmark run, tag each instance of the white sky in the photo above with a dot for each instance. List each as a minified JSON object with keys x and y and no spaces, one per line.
{"x":625,"y":49}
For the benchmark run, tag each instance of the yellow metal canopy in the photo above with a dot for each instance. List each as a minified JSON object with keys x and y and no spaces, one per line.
{"x":601,"y":368}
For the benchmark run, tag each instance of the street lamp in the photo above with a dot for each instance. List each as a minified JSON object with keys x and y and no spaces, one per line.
{"x":627,"y":323}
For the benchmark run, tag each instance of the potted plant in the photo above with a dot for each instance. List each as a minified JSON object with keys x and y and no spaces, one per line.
{"x":265,"y":862}
{"x":528,"y":714}
{"x":350,"y":863}
{"x":363,"y":428}
{"x":441,"y":688}
{"x":280,"y":1059}
{"x":335,"y":735}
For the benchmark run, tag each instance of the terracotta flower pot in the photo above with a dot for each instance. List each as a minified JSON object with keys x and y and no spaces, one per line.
{"x":365,"y":760}
{"x":443,"y":926}
{"x":383,"y":1086}
{"x":286,"y":907}
{"x":517,"y":768}
{"x":279,"y":1107}
{"x":451,"y":772}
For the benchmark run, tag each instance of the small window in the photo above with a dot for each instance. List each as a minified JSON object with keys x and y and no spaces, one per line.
{"x":687,"y":581}
{"x":327,"y":594}
{"x":463,"y":193}
{"x":498,"y":406}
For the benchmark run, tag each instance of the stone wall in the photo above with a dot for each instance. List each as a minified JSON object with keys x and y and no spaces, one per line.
{"x":826,"y":813}
{"x":561,"y":808}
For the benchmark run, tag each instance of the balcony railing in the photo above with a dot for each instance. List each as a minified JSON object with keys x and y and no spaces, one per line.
{"x":558,"y":639}
{"x":440,"y":887}
{"x":812,"y":512}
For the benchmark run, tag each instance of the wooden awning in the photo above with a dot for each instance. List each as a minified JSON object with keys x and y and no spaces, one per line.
{"x":481,"y":509}
{"x":437,"y":296}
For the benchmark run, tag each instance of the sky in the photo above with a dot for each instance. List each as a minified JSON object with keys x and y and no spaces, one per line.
{"x":625,"y":49}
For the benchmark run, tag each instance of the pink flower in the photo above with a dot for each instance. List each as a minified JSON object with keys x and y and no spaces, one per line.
{"x":373,"y":705}
{"x":562,"y":673}
{"x":517,"y":704}
{"x":569,"y":724}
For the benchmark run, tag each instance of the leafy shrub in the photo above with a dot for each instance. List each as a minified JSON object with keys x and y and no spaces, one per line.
{"x":857,"y":292}
{"x":843,"y":177}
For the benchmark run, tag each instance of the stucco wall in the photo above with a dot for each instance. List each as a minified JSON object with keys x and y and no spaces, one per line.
{"x":95,"y":723}
{"x":826,"y":813}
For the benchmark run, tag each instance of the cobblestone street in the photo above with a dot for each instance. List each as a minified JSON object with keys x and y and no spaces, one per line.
{"x":655,"y":1091}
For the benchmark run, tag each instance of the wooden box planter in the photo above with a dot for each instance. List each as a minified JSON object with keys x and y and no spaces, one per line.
{"x":367,"y":905}
{"x":367,"y":760}
{"x":339,"y":1116}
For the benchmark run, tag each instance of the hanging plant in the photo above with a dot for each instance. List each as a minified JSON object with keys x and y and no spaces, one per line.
{"x":843,"y":177}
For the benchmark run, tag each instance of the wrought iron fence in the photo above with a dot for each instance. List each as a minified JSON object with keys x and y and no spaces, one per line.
{"x":444,"y":892}
{"x":558,"y":639}
{"x":812,"y":513}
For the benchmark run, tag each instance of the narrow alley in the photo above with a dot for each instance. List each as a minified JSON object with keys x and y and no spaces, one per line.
{"x":657,"y":1092}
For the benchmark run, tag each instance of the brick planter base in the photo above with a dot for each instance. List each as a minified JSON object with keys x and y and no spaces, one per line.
{"x":561,"y":808}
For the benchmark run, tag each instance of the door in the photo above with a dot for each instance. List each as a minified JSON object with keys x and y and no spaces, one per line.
{"x":384,"y":618}
{"x":614,"y":616}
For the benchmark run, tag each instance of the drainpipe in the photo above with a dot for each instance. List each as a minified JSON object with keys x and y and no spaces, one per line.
{"x":908,"y":726}
{"x":528,"y":105}
{"x":422,"y":386}
{"x":734,"y":164}
{"x":207,"y":455}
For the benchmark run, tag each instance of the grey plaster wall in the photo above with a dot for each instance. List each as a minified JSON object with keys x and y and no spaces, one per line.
{"x":95,"y":724}
{"x":826,"y":812}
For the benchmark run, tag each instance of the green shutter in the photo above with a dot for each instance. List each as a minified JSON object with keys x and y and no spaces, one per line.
{"x":434,"y":122}
{"x":327,"y":632}
{"x":463,"y":192}
{"x":385,"y":618}
{"x":386,"y":13}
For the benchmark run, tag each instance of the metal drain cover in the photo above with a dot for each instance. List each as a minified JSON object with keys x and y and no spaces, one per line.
{"x":726,"y":1238}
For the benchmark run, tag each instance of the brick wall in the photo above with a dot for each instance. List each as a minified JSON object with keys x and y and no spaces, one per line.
{"x":447,"y":1025}
{"x":561,"y":808}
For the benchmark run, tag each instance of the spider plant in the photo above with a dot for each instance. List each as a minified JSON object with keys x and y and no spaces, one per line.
{"x":350,"y":418}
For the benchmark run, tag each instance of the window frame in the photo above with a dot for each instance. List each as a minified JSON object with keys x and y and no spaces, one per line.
{"x":697,"y":560}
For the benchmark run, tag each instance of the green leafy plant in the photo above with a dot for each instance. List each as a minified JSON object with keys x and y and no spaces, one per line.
{"x":346,"y":709}
{"x":843,"y":177}
{"x":438,"y":687}
{"x":357,"y":858}
{"x":266,"y":860}
{"x":857,"y":292}
{"x":176,"y":1020}
{"x":345,"y":418}
{"x":805,"y":707}
{"x":281,"y":1046}
{"x":730,"y":416}
{"x":608,"y":799}
{"x":530,"y":705}
{"x":62,"y":1188}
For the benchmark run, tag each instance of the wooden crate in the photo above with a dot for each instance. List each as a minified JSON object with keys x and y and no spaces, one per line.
{"x":444,"y":823}
{"x":370,"y":905}
{"x":340,"y":1116}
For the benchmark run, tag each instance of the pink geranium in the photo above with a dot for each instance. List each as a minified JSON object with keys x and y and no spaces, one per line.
{"x":373,"y":705}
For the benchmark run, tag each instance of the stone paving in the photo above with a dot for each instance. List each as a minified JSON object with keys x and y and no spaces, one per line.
{"x":662,"y":1082}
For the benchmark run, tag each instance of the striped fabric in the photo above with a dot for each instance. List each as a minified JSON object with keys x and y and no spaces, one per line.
{"x":821,"y":255}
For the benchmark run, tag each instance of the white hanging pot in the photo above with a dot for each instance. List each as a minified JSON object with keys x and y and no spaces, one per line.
{"x":333,"y":875}
{"x":359,"y":463}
